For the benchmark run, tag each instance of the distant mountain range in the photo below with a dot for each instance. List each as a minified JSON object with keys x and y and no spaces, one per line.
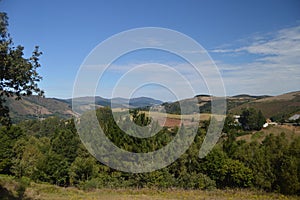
{"x":84,"y":103}
{"x":37,"y":107}
{"x":32,"y":107}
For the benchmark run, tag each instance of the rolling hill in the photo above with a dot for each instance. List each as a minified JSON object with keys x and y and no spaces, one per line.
{"x":34,"y":107}
{"x":84,"y":103}
{"x":277,"y":107}
{"x":281,"y":106}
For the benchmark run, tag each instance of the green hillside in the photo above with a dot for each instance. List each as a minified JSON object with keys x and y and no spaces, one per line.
{"x":34,"y":107}
{"x":281,"y":106}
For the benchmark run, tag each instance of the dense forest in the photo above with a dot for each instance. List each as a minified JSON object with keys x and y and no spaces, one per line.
{"x":51,"y":151}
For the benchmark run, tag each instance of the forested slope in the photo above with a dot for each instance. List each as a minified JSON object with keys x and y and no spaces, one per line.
{"x":51,"y":151}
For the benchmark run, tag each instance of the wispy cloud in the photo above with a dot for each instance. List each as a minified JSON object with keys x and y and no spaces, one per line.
{"x":267,"y":64}
{"x":271,"y":63}
{"x":268,"y":44}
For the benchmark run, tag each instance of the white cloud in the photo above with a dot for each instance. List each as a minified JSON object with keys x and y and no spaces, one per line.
{"x":268,"y":64}
{"x":273,"y":68}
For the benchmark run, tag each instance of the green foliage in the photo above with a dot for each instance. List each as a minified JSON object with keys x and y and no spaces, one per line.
{"x":275,"y":163}
{"x":195,"y":181}
{"x":83,"y":169}
{"x":23,"y":183}
{"x":172,"y":108}
{"x":230,"y":144}
{"x":91,"y":184}
{"x":225,"y":171}
{"x":18,"y":75}
{"x":229,"y":124}
{"x":252,"y":120}
{"x":53,"y":168}
{"x":27,"y":155}
{"x":51,"y":151}
{"x":141,"y":119}
{"x":127,"y":142}
{"x":233,"y":173}
{"x":48,"y":127}
{"x":65,"y":143}
{"x":213,"y":162}
{"x":8,"y":138}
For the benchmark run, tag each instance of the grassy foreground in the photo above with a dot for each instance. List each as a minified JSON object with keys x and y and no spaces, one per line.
{"x":11,"y":189}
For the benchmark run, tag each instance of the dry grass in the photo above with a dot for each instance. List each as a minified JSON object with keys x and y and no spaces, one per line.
{"x":291,"y":132}
{"x":172,"y":120}
{"x":57,"y":193}
{"x":284,"y":97}
{"x":120,"y":109}
{"x":37,"y":191}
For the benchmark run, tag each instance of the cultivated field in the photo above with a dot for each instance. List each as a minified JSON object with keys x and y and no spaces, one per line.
{"x":172,"y":120}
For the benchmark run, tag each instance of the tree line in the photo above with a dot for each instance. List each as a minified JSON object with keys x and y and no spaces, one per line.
{"x":51,"y":151}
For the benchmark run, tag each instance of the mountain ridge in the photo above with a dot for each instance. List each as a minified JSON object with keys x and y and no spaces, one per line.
{"x":34,"y":107}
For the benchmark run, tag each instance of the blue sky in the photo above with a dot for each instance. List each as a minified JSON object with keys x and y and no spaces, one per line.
{"x":255,"y":44}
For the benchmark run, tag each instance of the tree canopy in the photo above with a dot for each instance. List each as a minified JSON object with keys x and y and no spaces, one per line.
{"x":252,"y":120}
{"x":56,"y":155}
{"x":18,"y":75}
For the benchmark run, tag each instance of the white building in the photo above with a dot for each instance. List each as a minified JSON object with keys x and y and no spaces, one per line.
{"x":294,"y":117}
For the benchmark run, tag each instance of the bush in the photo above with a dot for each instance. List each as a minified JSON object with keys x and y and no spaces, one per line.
{"x":23,"y":183}
{"x":196,"y":181}
{"x":235,"y":174}
{"x":90,"y":185}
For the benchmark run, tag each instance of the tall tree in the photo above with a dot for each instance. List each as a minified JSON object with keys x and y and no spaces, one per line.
{"x":8,"y":138}
{"x":252,"y":120}
{"x":18,"y":75}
